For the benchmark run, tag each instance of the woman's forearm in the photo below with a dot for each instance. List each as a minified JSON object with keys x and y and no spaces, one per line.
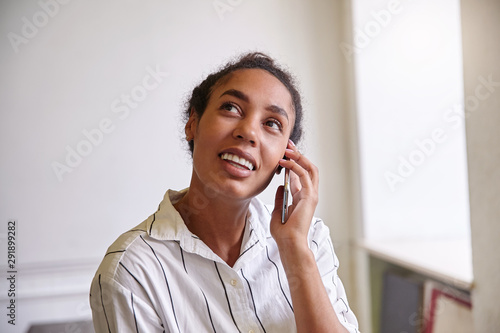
{"x":312,"y":307}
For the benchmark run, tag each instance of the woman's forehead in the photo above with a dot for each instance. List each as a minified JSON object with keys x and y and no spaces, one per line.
{"x":257,"y":81}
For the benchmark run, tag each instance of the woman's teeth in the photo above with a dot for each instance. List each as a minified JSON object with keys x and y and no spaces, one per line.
{"x":240,"y":161}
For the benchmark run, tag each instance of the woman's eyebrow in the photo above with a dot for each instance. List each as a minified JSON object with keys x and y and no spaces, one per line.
{"x":241,"y":95}
{"x":236,"y":93}
{"x":279,"y":110}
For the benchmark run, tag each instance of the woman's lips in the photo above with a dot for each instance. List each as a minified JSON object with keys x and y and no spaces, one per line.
{"x":238,"y":161}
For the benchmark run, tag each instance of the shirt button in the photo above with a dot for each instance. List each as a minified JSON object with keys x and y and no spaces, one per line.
{"x":233,"y":282}
{"x":251,"y":331}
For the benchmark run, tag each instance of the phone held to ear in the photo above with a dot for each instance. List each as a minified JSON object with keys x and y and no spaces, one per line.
{"x":284,"y":210}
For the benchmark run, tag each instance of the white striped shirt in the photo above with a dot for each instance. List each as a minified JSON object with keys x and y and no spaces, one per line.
{"x":159,"y":277}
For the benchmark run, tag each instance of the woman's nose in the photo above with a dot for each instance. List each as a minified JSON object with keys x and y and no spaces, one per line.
{"x":247,"y":130}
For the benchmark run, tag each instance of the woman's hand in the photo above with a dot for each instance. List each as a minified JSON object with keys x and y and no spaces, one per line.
{"x":304,"y":182}
{"x":313,"y":310}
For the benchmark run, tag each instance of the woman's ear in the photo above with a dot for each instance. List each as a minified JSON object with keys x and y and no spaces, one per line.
{"x":279,"y":168}
{"x":191,"y":125}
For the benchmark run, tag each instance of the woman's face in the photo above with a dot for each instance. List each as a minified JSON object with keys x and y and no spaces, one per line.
{"x":242,"y":134}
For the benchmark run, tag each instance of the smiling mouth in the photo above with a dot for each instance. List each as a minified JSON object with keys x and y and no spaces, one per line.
{"x":237,"y":161}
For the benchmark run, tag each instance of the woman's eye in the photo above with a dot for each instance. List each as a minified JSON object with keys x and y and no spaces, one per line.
{"x":229,"y":107}
{"x":274,"y":124}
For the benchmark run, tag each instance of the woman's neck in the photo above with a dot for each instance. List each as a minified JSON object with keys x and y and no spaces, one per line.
{"x":218,"y":222}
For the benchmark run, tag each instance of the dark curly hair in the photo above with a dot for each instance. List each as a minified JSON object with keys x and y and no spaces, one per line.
{"x":255,"y":60}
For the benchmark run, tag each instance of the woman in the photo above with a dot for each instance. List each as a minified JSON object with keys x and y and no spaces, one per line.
{"x":213,"y":258}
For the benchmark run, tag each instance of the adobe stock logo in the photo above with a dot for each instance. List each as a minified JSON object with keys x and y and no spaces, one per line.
{"x":363,"y":37}
{"x":453,"y":118}
{"x":407,"y":165}
{"x":30,"y":28}
{"x":222,"y":7}
{"x":94,"y":137}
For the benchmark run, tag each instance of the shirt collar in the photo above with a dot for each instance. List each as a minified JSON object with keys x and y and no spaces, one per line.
{"x":167,"y":224}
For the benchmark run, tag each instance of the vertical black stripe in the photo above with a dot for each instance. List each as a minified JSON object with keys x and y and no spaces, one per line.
{"x":102,"y":302}
{"x":166,"y":281}
{"x":208,"y":308}
{"x":225,"y":292}
{"x":253,"y":301}
{"x":151,"y":226}
{"x":133,"y":311}
{"x":182,"y":257}
{"x":279,"y":279}
{"x":206,"y":301}
{"x":154,"y":219}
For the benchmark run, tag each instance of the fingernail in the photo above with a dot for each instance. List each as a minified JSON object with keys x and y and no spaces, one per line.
{"x":291,"y":142}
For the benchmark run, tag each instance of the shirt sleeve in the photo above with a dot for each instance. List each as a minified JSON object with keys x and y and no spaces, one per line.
{"x":328,"y":264}
{"x":117,"y":309}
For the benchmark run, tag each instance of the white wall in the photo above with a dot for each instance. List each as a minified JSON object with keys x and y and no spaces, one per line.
{"x":65,"y":66}
{"x":481,"y":27}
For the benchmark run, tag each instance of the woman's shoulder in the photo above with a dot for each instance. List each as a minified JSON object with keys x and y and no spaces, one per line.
{"x":119,"y":248}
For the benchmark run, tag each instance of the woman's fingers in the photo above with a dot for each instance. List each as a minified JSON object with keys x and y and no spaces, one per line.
{"x":303,"y":161}
{"x":302,"y":167}
{"x":297,"y":173}
{"x":304,"y":180}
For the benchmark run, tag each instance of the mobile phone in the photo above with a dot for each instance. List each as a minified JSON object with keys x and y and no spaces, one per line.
{"x":284,"y":210}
